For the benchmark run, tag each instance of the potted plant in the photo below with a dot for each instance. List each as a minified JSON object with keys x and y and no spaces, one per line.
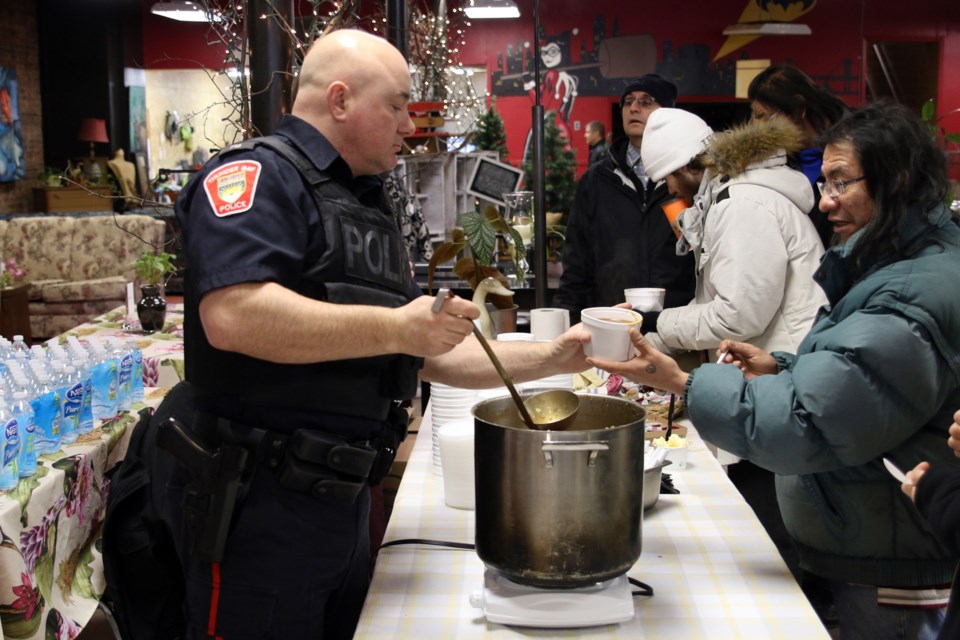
{"x":478,"y":231}
{"x":152,"y":268}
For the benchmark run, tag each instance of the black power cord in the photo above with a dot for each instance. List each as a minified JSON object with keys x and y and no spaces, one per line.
{"x":645,"y":589}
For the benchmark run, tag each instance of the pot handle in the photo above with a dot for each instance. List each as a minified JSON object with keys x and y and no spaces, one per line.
{"x":593,"y":447}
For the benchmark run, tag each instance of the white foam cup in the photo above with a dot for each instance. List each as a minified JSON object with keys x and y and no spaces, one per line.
{"x":456,"y":460}
{"x":609,"y":329}
{"x":645,"y":298}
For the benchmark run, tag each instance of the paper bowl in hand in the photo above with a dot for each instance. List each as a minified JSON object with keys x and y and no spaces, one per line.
{"x":645,"y":299}
{"x":609,"y":329}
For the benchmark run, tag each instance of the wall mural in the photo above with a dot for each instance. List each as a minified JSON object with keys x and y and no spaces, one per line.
{"x":12,"y":164}
{"x":584,"y":68}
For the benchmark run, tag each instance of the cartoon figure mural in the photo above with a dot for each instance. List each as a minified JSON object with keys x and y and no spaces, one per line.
{"x":558,"y":89}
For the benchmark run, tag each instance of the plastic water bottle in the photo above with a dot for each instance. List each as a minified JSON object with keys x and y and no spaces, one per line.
{"x":104,"y":374}
{"x":9,"y":461}
{"x":23,"y":412}
{"x":47,"y":414}
{"x":82,"y":362}
{"x":136,"y":378}
{"x":59,"y":382}
{"x":124,"y":374}
{"x":19,"y":344}
{"x":71,"y":403}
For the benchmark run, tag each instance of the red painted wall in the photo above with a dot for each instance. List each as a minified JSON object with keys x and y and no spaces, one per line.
{"x":833,"y":54}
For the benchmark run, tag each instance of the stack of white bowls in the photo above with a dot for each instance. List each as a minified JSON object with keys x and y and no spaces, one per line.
{"x":446,"y":405}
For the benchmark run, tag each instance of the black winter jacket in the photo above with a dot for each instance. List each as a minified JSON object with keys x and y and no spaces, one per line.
{"x":618,"y":237}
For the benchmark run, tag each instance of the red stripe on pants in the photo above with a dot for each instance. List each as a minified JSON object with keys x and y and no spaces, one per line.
{"x":214,"y":601}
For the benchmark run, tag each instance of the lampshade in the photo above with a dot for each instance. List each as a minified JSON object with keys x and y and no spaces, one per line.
{"x":93,"y":130}
{"x":481,"y":9}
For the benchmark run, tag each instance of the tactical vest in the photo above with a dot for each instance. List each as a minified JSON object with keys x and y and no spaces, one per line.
{"x":364,"y":263}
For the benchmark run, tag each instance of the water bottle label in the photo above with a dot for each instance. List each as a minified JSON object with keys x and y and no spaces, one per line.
{"x":12,"y":448}
{"x":126,"y":370}
{"x":73,"y":402}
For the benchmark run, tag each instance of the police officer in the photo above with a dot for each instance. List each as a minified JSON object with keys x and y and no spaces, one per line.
{"x":303,"y":326}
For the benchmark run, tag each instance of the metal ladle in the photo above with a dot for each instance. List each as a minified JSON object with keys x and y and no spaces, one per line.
{"x":555,"y":409}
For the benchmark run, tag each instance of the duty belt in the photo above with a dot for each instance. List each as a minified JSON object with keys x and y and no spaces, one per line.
{"x":308,"y":461}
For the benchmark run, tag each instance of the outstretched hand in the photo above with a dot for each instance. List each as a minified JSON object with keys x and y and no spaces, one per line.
{"x":913,"y":477}
{"x":954,"y":440}
{"x":649,"y":367}
{"x":566,"y":353}
{"x":751,"y":360}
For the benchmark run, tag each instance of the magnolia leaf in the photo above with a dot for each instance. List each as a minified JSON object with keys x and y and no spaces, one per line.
{"x":521,"y":251}
{"x":481,"y":236}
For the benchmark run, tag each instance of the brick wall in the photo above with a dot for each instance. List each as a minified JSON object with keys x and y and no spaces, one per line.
{"x":19,"y":49}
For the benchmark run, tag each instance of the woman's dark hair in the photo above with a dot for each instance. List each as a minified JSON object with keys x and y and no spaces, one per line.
{"x":787,"y":89}
{"x":905,"y":173}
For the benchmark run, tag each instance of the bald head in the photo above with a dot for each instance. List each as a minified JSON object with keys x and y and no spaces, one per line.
{"x":351,"y":81}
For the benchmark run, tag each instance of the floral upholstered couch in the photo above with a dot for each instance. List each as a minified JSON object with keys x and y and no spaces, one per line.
{"x":77,"y":267}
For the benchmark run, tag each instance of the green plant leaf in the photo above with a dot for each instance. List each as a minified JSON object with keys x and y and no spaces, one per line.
{"x":953,"y":137}
{"x":481,"y":236}
{"x":928,"y":111}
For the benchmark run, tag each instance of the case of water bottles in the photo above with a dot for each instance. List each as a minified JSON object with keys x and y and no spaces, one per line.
{"x":51,"y":395}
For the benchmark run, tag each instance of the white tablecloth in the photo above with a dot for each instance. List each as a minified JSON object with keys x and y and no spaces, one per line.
{"x":714,"y":570}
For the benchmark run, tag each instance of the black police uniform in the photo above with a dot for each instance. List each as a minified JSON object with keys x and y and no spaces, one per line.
{"x":294,"y":564}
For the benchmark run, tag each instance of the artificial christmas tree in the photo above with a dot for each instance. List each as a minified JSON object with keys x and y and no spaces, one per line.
{"x":560,"y":167}
{"x":489,"y":134}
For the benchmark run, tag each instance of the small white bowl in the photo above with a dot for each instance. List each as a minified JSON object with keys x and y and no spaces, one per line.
{"x":609,"y":329}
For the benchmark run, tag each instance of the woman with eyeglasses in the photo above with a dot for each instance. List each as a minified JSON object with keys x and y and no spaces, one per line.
{"x":784,"y":91}
{"x":877,"y":376}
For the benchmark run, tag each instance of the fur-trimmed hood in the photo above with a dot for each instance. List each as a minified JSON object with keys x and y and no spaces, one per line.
{"x":731,"y":152}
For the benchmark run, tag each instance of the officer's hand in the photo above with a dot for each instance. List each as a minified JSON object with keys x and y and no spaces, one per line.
{"x":567,"y":350}
{"x":423,"y":332}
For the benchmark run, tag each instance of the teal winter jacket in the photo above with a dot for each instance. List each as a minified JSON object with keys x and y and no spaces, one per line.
{"x":877,"y":376}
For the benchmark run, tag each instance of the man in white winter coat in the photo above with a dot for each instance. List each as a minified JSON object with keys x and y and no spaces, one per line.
{"x":755,"y":247}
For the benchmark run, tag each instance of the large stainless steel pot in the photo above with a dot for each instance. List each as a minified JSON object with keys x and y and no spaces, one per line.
{"x":559,"y":508}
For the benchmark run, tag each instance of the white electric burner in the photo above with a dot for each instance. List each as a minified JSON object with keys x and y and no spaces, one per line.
{"x":507,"y":602}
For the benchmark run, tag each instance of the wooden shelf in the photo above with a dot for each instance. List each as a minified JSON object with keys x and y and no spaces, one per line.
{"x":61,"y":199}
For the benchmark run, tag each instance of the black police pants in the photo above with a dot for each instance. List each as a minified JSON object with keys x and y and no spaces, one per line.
{"x":294,"y":566}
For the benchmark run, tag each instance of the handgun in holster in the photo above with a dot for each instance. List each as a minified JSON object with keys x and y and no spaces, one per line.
{"x":211,"y":495}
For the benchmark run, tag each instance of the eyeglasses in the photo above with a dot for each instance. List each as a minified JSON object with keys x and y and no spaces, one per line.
{"x":835,"y":188}
{"x":643,"y":102}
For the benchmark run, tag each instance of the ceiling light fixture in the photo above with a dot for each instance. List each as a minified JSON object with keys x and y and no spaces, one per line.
{"x":767,"y":29}
{"x":182,"y":10}
{"x":488,"y":9}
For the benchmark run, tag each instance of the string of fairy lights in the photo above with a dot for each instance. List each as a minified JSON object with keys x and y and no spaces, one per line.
{"x":434,"y":42}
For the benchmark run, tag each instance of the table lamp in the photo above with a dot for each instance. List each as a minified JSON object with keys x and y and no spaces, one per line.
{"x":93,"y":130}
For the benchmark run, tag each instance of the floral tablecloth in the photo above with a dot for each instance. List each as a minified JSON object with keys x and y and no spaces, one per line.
{"x":51,"y":570}
{"x":162,"y":350}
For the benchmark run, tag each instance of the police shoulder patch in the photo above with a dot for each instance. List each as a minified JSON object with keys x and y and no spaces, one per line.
{"x":232,"y":187}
